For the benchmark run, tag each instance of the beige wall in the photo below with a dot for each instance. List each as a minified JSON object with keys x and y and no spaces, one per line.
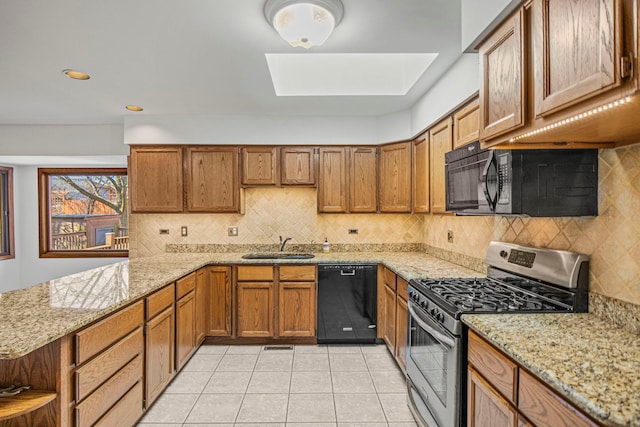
{"x":612,"y":239}
{"x":270,"y":212}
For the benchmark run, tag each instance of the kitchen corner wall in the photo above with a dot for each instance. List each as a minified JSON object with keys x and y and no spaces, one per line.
{"x":612,"y":239}
{"x":269,"y":213}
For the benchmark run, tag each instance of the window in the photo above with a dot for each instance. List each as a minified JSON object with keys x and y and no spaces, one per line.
{"x":83,"y":212}
{"x":6,"y":213}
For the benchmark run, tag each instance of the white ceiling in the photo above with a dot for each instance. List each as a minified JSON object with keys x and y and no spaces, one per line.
{"x":194,"y":57}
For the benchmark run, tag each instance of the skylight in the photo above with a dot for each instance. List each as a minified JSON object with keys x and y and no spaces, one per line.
{"x":344,"y":74}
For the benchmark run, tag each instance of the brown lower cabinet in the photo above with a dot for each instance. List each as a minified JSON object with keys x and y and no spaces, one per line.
{"x":160,"y":342}
{"x":502,"y":393}
{"x":259,"y":287}
{"x":393,"y":315}
{"x":110,"y":368}
{"x":185,"y":328}
{"x":218,"y":282}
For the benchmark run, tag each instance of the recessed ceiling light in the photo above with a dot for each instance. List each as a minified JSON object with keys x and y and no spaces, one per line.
{"x":133,"y":108}
{"x":77,"y":75}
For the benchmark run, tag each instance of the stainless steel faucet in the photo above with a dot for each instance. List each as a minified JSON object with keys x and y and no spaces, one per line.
{"x":283,"y":242}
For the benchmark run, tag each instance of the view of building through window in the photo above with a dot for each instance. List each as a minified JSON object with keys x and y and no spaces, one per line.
{"x":87,"y":210}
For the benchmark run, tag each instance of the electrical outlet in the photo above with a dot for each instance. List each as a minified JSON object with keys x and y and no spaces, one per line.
{"x":450,"y":236}
{"x":164,"y":231}
{"x":183,"y":231}
{"x":232,"y":231}
{"x":353,"y":231}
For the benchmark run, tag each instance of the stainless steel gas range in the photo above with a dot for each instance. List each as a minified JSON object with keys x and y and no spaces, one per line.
{"x":519,"y":280}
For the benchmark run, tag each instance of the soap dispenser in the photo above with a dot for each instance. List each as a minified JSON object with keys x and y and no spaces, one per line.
{"x":325,"y":246}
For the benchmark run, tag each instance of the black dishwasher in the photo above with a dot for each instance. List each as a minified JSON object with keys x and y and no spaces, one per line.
{"x":347,"y":303}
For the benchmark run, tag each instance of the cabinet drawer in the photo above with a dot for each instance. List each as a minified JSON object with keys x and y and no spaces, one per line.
{"x":126,"y":412}
{"x":401,"y":290}
{"x":389,"y":278}
{"x":159,"y":301}
{"x":499,"y":371}
{"x":298,"y":273}
{"x":94,"y":339}
{"x":542,"y":406}
{"x":97,"y":371}
{"x":93,"y":407}
{"x":185,"y":285}
{"x":255,"y":273}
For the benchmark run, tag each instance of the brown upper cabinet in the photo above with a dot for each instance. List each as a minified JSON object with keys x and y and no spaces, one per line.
{"x":363,"y":181}
{"x":332,"y":179}
{"x":155,"y":183}
{"x":502,"y":88}
{"x":577,"y":51}
{"x":466,"y":124}
{"x":561,"y":74}
{"x":298,"y":166}
{"x":440,"y":142}
{"x":259,"y":165}
{"x":421,"y":174}
{"x":347,"y":179}
{"x":395,"y":177}
{"x":212,"y":179}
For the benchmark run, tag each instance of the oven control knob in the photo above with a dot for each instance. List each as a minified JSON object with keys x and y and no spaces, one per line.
{"x":423,"y":304}
{"x":440,"y":317}
{"x":433,"y":311}
{"x":411,"y":294}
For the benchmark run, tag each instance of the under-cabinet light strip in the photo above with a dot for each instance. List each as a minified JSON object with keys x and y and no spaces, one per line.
{"x":592,"y":112}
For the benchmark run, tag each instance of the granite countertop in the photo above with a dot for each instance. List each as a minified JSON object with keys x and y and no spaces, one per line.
{"x":38,"y":315}
{"x":587,"y":360}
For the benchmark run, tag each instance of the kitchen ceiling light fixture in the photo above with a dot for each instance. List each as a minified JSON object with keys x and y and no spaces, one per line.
{"x":76,"y":75}
{"x":304,"y":23}
{"x":133,"y":108}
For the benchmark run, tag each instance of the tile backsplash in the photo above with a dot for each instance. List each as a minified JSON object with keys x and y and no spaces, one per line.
{"x":612,"y":239}
{"x":271,"y":212}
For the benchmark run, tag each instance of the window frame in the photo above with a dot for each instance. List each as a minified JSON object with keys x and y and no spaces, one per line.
{"x":6,"y":193}
{"x":44,"y":217}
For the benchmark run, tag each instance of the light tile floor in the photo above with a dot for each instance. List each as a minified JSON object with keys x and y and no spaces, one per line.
{"x":309,"y":386}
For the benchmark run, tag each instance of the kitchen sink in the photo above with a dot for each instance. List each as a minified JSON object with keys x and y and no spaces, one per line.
{"x":277,"y":255}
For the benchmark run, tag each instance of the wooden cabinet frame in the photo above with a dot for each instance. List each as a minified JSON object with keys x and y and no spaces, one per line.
{"x":607,"y":47}
{"x":502,"y":91}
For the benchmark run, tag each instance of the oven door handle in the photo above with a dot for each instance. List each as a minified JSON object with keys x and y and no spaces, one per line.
{"x":429,"y":326}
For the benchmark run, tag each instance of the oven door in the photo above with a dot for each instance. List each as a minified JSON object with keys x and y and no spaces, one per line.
{"x":434,"y":360}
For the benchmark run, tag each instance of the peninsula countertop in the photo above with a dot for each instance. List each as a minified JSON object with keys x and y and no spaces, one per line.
{"x":590,"y":362}
{"x":38,"y":315}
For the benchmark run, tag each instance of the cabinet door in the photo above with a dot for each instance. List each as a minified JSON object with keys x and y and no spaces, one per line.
{"x":546,"y":408}
{"x":401,"y":331}
{"x":332,"y":180}
{"x":298,"y":166}
{"x":219,"y":324}
{"x":202,"y":305}
{"x":363,"y":179}
{"x":440,"y":141}
{"x":421,"y":174}
{"x":159,"y":354}
{"x":485,"y":408}
{"x":185,"y":329}
{"x":577,"y":47}
{"x":395,"y":177}
{"x":389,"y":335}
{"x":155,"y":179}
{"x":212,"y":179}
{"x":503,"y":84}
{"x":256,"y":303}
{"x":297,"y":309}
{"x":259,"y":165}
{"x":466,"y":123}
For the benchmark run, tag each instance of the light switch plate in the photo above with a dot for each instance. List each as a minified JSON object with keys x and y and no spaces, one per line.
{"x":232,"y":231}
{"x":183,"y":231}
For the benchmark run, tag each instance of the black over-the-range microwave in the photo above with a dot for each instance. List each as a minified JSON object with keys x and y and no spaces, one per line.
{"x":537,"y":182}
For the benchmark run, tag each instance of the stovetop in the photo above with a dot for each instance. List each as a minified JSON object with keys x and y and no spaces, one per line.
{"x":486,"y":295}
